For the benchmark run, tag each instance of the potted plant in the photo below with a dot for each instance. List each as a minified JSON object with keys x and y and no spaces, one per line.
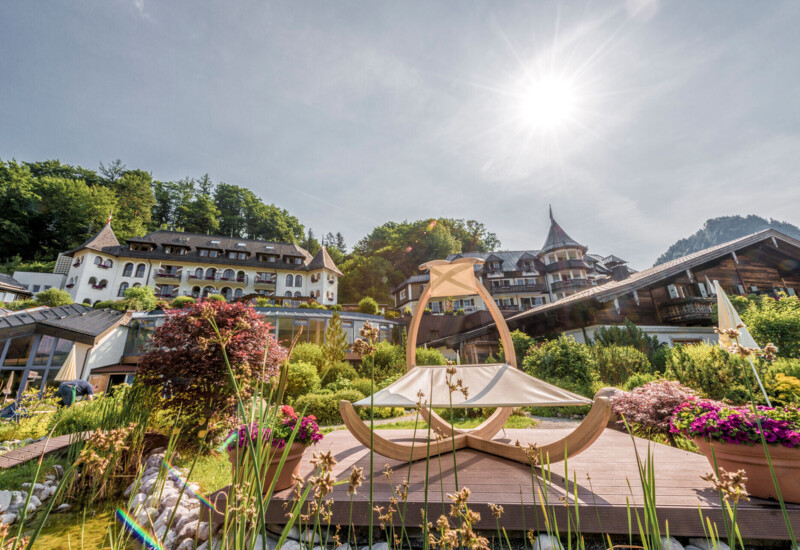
{"x":276,"y":436}
{"x":729,"y":435}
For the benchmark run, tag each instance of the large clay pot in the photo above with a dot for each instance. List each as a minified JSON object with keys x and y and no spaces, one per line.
{"x":751,"y":459}
{"x":291,"y":466}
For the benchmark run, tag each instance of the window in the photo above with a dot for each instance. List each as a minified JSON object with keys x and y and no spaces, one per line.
{"x":227,"y":275}
{"x":103,"y":283}
{"x":237,"y":255}
{"x":213,"y":253}
{"x":211,"y":273}
{"x":195,"y":292}
{"x":177,"y":250}
{"x":92,"y":281}
{"x":297,"y":294}
{"x":226,"y":291}
{"x":289,"y":281}
{"x":36,"y":288}
{"x":238,"y":293}
{"x":98,"y":260}
{"x":203,"y":252}
{"x":403,"y":294}
{"x":127,"y":271}
{"x":18,"y":351}
{"x":288,"y":294}
{"x":109,"y":263}
{"x":140,"y":270}
{"x":298,"y":280}
{"x":122,"y":288}
{"x":198,"y":273}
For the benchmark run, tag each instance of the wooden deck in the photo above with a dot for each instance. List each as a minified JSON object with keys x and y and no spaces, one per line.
{"x":33,"y":451}
{"x":602,"y":474}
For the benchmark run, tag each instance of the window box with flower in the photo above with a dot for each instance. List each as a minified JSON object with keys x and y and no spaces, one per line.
{"x":276,"y":436}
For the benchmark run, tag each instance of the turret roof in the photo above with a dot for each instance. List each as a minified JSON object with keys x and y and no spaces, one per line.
{"x":557,"y":238}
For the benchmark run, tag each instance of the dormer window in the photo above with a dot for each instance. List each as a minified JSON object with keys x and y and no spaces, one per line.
{"x":495,"y":266}
{"x":176,"y":250}
{"x":233,"y":255}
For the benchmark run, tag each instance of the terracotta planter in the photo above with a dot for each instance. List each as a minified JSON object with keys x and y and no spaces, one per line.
{"x":291,"y":466}
{"x":751,"y":459}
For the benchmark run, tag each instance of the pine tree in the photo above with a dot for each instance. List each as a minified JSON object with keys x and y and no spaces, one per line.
{"x":335,"y":347}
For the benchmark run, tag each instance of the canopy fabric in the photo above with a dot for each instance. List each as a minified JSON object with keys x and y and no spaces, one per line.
{"x":68,"y":371}
{"x":729,"y":318}
{"x":490,"y":385}
{"x":456,"y":278}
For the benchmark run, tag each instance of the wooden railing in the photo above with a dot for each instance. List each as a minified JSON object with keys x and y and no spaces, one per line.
{"x":686,"y":310}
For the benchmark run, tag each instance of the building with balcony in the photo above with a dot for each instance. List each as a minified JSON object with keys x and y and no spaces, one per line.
{"x":189,"y":264}
{"x":519,"y":280}
{"x":11,"y":289}
{"x":673,"y":301}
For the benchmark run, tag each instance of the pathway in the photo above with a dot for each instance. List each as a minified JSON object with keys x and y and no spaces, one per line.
{"x":35,"y":450}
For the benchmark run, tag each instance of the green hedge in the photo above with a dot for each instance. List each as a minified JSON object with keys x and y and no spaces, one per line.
{"x":565,"y":363}
{"x":615,"y":364}
{"x":302,"y":379}
{"x":308,"y":353}
{"x":326,"y":406}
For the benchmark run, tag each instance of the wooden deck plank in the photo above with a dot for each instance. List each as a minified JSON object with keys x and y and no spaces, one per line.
{"x":610,"y":463}
{"x":33,"y":451}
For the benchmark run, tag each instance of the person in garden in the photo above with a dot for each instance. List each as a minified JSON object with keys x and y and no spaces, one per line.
{"x":71,"y":390}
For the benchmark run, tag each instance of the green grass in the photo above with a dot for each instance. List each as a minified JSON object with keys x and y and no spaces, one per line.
{"x":12,"y":478}
{"x":210,"y":472}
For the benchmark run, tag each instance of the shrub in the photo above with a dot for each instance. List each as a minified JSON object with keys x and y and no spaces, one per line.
{"x":326,"y":406}
{"x":363,"y":385}
{"x":106,"y":304}
{"x":140,"y":298}
{"x":712,"y":371}
{"x":53,"y":297}
{"x":429,"y":356}
{"x":389,"y":360}
{"x":186,"y":361}
{"x":182,"y":301}
{"x":308,"y":353}
{"x":380,"y":412}
{"x":771,"y":320}
{"x":368,"y":305}
{"x":522,"y":342}
{"x":563,"y":362}
{"x":783,"y":389}
{"x":633,"y":336}
{"x":648,"y":408}
{"x":335,"y":307}
{"x":215,"y":298}
{"x":407,"y":311}
{"x":340,"y":369}
{"x":427,"y":311}
{"x":303,"y":306}
{"x":335,"y":347}
{"x":615,"y":364}
{"x":302,"y":379}
{"x":17,"y":305}
{"x":459,"y":312}
{"x":789,"y":367}
{"x":391,"y":314}
{"x":637,"y":380}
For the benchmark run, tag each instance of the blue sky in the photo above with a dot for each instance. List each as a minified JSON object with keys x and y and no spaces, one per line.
{"x":350,"y":114}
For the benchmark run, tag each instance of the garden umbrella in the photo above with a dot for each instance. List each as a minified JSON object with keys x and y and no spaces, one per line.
{"x":67,"y":371}
{"x":729,"y":319}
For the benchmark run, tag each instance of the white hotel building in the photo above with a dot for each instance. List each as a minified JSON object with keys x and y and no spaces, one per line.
{"x":190,"y":264}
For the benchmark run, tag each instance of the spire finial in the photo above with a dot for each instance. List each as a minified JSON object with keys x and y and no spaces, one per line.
{"x":110,"y":215}
{"x":551,"y":212}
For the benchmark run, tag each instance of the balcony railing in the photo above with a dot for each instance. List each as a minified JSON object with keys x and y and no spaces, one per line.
{"x":687,"y":310}
{"x":228,"y":280}
{"x":166,"y":295}
{"x":264,"y":281}
{"x":508,"y":289}
{"x":507,"y":307}
{"x":162,"y":274}
{"x":564,"y":264}
{"x":569,"y":284}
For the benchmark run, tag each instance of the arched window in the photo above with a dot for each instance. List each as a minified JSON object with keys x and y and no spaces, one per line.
{"x":122,"y":288}
{"x":87,"y":301}
{"x":136,"y":285}
{"x":288,"y":294}
{"x":226,"y":291}
{"x":198,"y":272}
{"x":109,"y":263}
{"x":103,"y":283}
{"x":209,"y":290}
{"x":128,"y":270}
{"x":211,"y":273}
{"x":298,"y":280}
{"x":297,"y":294}
{"x":140,"y":270}
{"x":289,"y":281}
{"x":92,"y":281}
{"x":240,"y":276}
{"x":238,"y":293}
{"x":228,"y":275}
{"x":96,"y":302}
{"x":195,"y":292}
{"x":98,"y":260}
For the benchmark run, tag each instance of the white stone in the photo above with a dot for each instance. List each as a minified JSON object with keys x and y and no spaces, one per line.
{"x":170,"y":501}
{"x":8,"y":519}
{"x":31,"y":507}
{"x":35,"y":501}
{"x":49,"y":478}
{"x":203,"y":530}
{"x":137,"y":501}
{"x":291,"y":545}
{"x":188,"y":518}
{"x":5,"y":500}
{"x":187,"y":544}
{"x":704,"y":544}
{"x":547,"y":542}
{"x":670,"y":544}
{"x":345,"y":546}
{"x":160,"y":532}
{"x":172,"y":538}
{"x":63,"y":507}
{"x":270,"y":544}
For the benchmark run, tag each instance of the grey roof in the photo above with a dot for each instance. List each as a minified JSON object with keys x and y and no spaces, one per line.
{"x":10,"y":284}
{"x":102,"y":239}
{"x":79,"y":319}
{"x":323,"y":260}
{"x":308,"y":313}
{"x":557,"y":238}
{"x":509,"y":258}
{"x":195,"y":241}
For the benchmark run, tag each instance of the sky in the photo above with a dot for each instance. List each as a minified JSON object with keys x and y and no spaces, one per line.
{"x":636,"y":119}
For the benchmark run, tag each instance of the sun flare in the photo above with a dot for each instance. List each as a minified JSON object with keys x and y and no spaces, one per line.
{"x":547,"y":103}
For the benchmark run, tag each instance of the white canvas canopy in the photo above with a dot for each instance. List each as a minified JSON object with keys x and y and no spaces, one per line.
{"x":490,"y":385}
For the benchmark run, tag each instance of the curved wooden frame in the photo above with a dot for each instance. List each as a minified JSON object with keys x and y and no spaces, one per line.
{"x":479,"y":438}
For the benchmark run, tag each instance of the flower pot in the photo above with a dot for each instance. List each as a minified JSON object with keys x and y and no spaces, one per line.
{"x":291,"y":466}
{"x":751,"y":459}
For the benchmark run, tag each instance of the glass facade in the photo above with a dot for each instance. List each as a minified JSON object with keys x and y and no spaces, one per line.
{"x":31,"y":362}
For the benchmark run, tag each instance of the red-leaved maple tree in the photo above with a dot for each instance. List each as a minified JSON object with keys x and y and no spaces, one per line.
{"x":185,"y":360}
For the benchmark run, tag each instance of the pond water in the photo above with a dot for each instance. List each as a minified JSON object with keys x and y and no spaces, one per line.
{"x":70,"y":530}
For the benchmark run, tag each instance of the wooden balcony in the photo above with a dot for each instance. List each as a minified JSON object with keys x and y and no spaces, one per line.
{"x":570,"y":284}
{"x":687,"y":310}
{"x":564,"y":265}
{"x":162,"y":275}
{"x":264,"y":282}
{"x":232,"y":281}
{"x":513,"y":289}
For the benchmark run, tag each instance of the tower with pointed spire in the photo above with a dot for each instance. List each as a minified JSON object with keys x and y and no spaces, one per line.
{"x":564,"y":266}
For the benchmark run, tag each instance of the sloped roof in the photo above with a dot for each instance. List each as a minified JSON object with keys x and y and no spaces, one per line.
{"x":76,"y":322}
{"x":102,"y":239}
{"x":10,"y":284}
{"x":557,"y":238}
{"x":323,"y":260}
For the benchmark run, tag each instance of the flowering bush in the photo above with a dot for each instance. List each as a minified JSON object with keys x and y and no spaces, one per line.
{"x":717,"y":421}
{"x":649,"y":407}
{"x":308,"y":433}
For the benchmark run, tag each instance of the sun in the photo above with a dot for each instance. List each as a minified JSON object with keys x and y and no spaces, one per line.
{"x":547,"y":103}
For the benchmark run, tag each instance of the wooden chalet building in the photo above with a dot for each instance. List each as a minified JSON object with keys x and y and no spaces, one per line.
{"x":673,"y":301}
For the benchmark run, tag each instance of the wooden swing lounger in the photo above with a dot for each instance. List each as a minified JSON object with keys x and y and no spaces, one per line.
{"x":489,"y":385}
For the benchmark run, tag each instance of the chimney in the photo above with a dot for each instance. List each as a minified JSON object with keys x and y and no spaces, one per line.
{"x":620,"y":272}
